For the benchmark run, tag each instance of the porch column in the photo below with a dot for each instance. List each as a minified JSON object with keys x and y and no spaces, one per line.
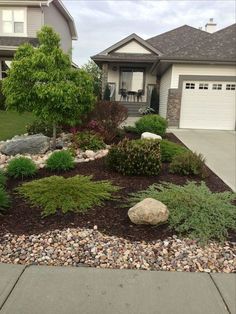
{"x":104,"y":77}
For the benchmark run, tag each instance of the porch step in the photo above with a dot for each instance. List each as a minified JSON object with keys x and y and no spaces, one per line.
{"x":133,"y":108}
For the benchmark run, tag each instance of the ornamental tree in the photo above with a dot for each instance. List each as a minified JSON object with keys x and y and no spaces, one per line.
{"x":96,"y":73}
{"x":41,"y":80}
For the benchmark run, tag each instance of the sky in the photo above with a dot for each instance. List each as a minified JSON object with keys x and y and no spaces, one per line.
{"x":101,"y":23}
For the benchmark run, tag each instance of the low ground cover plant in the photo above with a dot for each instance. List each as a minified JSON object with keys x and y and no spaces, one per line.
{"x":4,"y":197}
{"x":4,"y":200}
{"x":195,"y":211}
{"x":136,"y":157}
{"x":60,"y":161}
{"x":2,"y":179}
{"x":169,"y":150}
{"x":75,"y":194}
{"x":21,"y":167}
{"x":88,"y":140}
{"x":151,"y":123}
{"x":189,"y":163}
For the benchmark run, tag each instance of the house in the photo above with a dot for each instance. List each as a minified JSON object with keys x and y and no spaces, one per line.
{"x":194,"y":71}
{"x":20,"y":20}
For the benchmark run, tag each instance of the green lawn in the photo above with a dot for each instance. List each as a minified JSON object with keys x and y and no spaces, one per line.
{"x":13,"y":123}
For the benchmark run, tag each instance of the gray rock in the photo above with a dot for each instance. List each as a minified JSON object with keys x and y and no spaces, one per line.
{"x":148,"y":212}
{"x":32,"y":144}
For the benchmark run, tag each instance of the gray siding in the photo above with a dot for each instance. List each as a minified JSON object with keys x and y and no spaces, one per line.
{"x":54,"y":18}
{"x":34,"y":21}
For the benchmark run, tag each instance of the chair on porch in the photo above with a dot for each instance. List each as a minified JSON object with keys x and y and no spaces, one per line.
{"x":124,"y":95}
{"x":139,"y":95}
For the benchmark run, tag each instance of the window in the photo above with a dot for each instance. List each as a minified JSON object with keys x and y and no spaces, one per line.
{"x":5,"y":65}
{"x":203,"y":86}
{"x":217,"y":86}
{"x":132,"y":79}
{"x":13,"y":21}
{"x":230,"y":86}
{"x":190,"y":86}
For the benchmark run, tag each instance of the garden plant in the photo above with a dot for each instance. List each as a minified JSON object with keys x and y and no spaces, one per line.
{"x":75,"y":194}
{"x":195,"y":211}
{"x":60,"y":161}
{"x":152,"y":123}
{"x":21,"y":168}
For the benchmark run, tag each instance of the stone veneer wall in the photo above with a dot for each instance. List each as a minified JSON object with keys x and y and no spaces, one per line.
{"x":173,"y":107}
{"x":104,"y":77}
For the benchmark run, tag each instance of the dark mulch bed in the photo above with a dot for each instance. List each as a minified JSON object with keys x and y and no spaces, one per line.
{"x":111,"y":218}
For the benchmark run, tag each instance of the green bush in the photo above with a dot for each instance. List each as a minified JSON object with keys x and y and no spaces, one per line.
{"x":2,"y":179}
{"x":88,"y":140}
{"x":43,"y":127}
{"x":189,"y":163}
{"x":195,"y":211}
{"x":2,"y":98}
{"x":169,"y":150}
{"x":151,"y":123}
{"x":76,"y":194}
{"x":21,"y":167}
{"x":4,"y":200}
{"x":60,"y":161}
{"x":137,"y":157}
{"x":130,"y":129}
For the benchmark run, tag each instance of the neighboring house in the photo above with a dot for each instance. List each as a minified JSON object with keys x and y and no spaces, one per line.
{"x":194,"y":71}
{"x":20,"y":20}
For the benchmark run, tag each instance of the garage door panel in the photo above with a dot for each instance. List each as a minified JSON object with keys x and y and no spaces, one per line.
{"x":208,"y":109}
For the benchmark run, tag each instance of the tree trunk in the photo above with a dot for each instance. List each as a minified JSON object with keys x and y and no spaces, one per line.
{"x":54,"y":135}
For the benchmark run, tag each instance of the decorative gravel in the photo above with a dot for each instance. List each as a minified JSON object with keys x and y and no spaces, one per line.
{"x":89,"y":247}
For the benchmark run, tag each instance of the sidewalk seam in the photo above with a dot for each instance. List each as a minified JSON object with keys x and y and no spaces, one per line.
{"x":10,"y":292}
{"x":218,"y":289}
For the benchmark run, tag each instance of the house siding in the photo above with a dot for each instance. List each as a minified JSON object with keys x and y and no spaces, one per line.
{"x":133,"y":47}
{"x":54,"y":18}
{"x":190,"y":69}
{"x":34,"y":21}
{"x":165,"y":85}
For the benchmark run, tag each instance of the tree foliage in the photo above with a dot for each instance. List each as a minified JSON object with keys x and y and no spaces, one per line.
{"x":41,"y":80}
{"x":96,"y":73}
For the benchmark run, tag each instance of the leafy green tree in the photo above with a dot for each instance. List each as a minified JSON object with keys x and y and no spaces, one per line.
{"x":96,"y":73}
{"x":41,"y":80}
{"x":107,"y":93}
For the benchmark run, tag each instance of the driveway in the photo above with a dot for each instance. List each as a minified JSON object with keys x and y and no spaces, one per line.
{"x":218,"y":147}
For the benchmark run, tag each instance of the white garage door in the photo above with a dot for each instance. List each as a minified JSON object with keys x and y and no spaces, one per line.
{"x":208,"y":105}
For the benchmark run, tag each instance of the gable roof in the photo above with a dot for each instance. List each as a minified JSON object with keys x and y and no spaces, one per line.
{"x":58,"y":3}
{"x":125,"y":41}
{"x":220,"y":46}
{"x":177,"y":38}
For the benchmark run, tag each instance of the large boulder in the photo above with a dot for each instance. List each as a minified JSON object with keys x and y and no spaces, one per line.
{"x":148,"y":212}
{"x":32,"y":144}
{"x":152,"y":136}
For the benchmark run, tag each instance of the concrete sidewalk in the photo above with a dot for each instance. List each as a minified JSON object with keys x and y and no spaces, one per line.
{"x":218,"y":147}
{"x":62,"y":290}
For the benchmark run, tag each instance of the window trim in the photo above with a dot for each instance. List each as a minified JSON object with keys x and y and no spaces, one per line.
{"x":24,"y":34}
{"x":230,"y":86}
{"x":143,"y":69}
{"x":191,"y":85}
{"x":217,"y":85}
{"x":205,"y":86}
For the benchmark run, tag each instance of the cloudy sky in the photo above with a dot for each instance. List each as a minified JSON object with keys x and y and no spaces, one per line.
{"x":101,"y":23}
